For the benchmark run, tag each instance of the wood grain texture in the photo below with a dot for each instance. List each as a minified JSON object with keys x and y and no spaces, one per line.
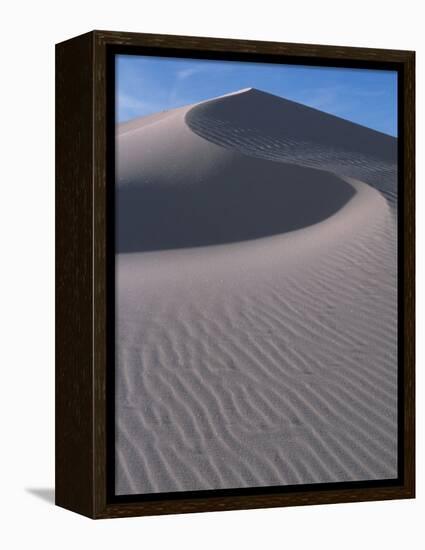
{"x":74,"y":275}
{"x":408,"y":184}
{"x":225,"y":45}
{"x":217,"y":504}
{"x":82,"y":274}
{"x":100,"y":301}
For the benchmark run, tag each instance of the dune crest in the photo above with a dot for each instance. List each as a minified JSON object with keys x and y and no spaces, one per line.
{"x":232,"y":147}
{"x":265,"y":126}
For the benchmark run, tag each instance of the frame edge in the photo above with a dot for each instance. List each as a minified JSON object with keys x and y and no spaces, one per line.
{"x":99,"y":507}
{"x":74,"y":276}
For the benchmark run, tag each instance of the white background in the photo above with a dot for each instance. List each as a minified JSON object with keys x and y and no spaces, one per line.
{"x":29,"y":31}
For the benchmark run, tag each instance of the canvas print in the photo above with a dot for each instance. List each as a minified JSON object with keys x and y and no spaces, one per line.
{"x":255,"y":275}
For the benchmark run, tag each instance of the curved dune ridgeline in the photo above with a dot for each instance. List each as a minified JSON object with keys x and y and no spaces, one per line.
{"x":256,"y":275}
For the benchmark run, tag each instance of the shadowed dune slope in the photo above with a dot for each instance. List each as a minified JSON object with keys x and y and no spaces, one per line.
{"x":261,"y":125}
{"x":245,"y":200}
{"x":249,"y":159}
{"x":170,"y":180}
{"x":259,"y":113}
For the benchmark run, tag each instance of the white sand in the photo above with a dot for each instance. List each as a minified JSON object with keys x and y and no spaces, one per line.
{"x":256,"y":298}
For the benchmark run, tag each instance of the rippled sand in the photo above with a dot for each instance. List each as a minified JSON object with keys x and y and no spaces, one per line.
{"x":256,"y":298}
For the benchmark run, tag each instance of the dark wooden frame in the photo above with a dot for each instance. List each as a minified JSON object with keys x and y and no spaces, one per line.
{"x":82,"y":240}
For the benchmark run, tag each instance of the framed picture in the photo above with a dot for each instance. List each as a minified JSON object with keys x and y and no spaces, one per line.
{"x":235,"y":274}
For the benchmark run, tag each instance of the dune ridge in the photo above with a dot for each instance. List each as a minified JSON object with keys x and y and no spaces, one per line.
{"x":269,"y":359}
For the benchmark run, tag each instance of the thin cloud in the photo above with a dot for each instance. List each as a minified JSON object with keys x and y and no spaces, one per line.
{"x":183,"y":74}
{"x":369,"y":93}
{"x":188,"y":72}
{"x":130,"y":102}
{"x":130,"y":106}
{"x":325,"y":98}
{"x":146,"y":85}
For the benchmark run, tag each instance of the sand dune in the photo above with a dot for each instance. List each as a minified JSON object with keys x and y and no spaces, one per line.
{"x":256,"y":298}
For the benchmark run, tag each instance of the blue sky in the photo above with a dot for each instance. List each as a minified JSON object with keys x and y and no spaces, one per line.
{"x":146,"y":85}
